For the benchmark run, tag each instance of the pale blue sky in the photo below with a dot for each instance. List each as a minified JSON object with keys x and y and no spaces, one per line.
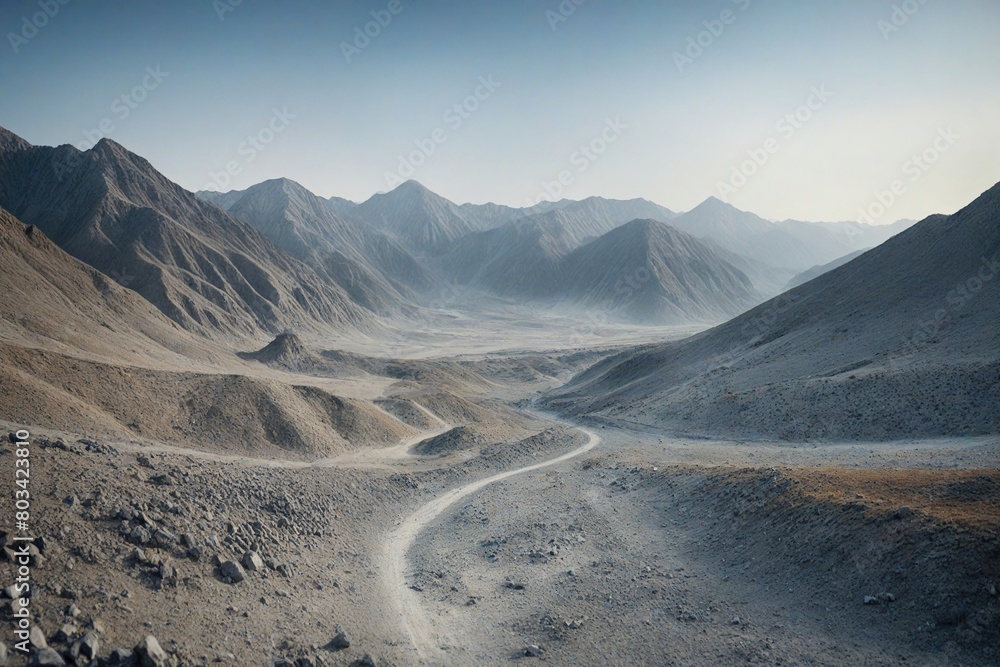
{"x":891,"y":93}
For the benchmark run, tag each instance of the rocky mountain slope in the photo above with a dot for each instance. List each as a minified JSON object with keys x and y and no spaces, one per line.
{"x":204,"y":269}
{"x":902,"y":341}
{"x":647,"y":271}
{"x":642,"y":271}
{"x":372,"y":266}
{"x":816,"y":271}
{"x":53,"y":301}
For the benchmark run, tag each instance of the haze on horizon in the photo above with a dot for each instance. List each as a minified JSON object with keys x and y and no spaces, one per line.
{"x":493,"y":101}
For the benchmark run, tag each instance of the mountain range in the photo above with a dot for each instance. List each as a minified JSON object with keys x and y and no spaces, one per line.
{"x":275,"y":256}
{"x":901,"y":340}
{"x":204,"y":269}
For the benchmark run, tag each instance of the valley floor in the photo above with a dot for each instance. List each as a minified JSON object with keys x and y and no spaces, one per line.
{"x":564,"y":543}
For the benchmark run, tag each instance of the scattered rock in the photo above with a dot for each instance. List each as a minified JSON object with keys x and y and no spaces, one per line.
{"x":233,"y":571}
{"x":163,"y":538}
{"x":120,"y":656}
{"x":65,"y":634}
{"x":87,"y":647}
{"x":252,"y":561}
{"x":364,"y":661}
{"x":140,"y":535}
{"x":340,"y":642}
{"x":37,"y":638}
{"x":532,"y":651}
{"x":881,"y":598}
{"x":149,"y":653}
{"x":168,"y":575}
{"x":47,"y":658}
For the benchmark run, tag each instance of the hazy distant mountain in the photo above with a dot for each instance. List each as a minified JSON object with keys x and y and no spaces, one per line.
{"x":600,"y":214}
{"x":203,"y":268}
{"x":522,"y":258}
{"x":901,"y":341}
{"x":643,"y":271}
{"x":816,"y":271}
{"x":415,"y":215}
{"x":340,"y":206}
{"x":647,"y":271}
{"x":370,"y":265}
{"x":788,"y":244}
{"x":427,"y":221}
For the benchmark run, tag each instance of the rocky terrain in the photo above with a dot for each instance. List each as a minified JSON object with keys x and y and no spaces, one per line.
{"x":267,"y":428}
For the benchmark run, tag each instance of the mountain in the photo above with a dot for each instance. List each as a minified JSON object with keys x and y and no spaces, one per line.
{"x":600,"y":214}
{"x":201,"y":267}
{"x":429,"y":222}
{"x":371,"y":266}
{"x":55,"y":302}
{"x":647,"y":271}
{"x":519,"y":259}
{"x":787,"y":245}
{"x":900,"y":342}
{"x":340,"y":206}
{"x":643,"y":271}
{"x":816,"y":271}
{"x":415,"y":215}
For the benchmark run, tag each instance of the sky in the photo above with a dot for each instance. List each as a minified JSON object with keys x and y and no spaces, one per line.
{"x":858,"y":109}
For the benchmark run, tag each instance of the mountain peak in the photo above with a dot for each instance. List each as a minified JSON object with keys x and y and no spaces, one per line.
{"x":10,"y":142}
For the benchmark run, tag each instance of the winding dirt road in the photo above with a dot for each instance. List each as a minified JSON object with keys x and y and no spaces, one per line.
{"x":422,"y":632}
